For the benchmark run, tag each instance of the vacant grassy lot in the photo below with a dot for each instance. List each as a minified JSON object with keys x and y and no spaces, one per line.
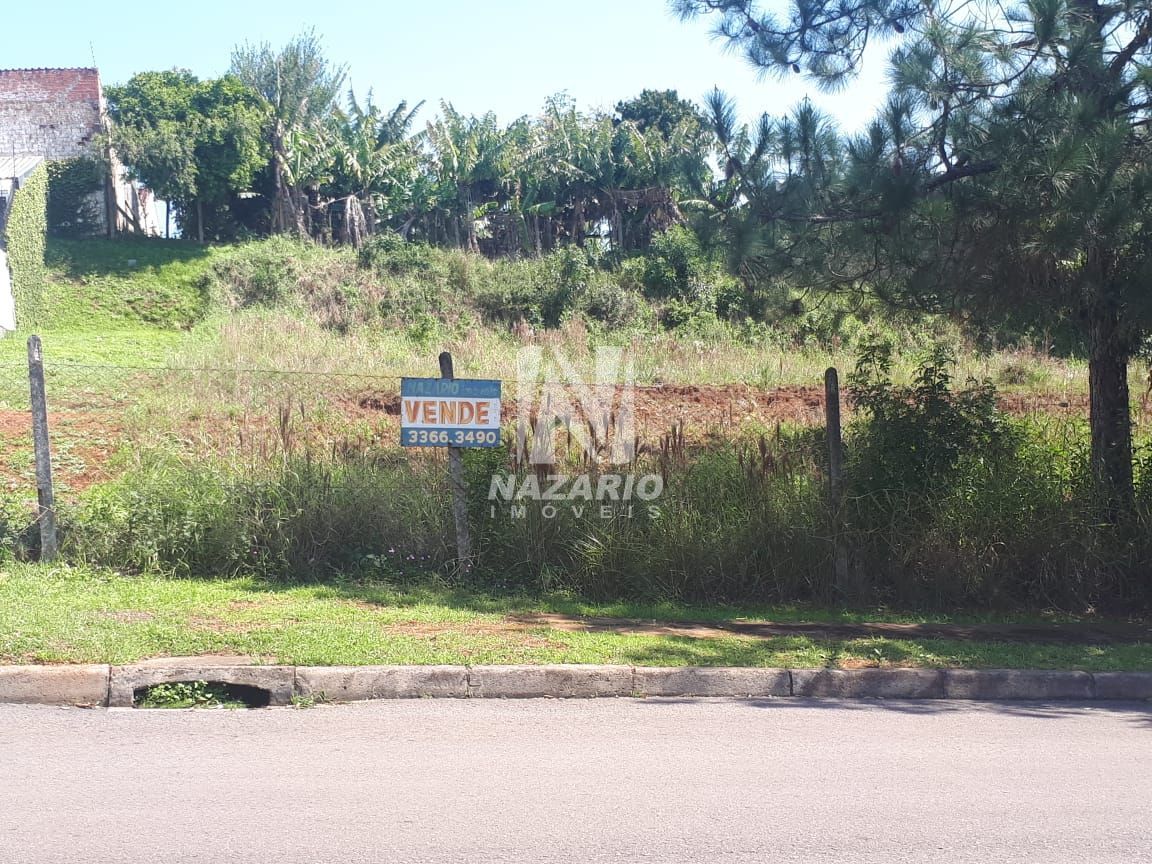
{"x":70,"y":615}
{"x":232,"y":411}
{"x":123,"y":315}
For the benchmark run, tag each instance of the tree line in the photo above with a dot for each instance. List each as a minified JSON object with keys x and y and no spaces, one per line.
{"x":278,"y":145}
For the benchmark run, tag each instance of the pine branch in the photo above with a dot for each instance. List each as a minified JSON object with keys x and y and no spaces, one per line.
{"x":960,"y":172}
{"x":953,"y":174}
{"x":1139,"y":41}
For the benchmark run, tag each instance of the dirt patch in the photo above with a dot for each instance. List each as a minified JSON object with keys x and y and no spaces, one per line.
{"x":388,"y":404}
{"x":246,"y":604}
{"x":1067,"y":634}
{"x":518,"y":633}
{"x":657,"y":409}
{"x":430,"y":630}
{"x":730,"y":406}
{"x":857,"y":663}
{"x":128,"y":617}
{"x":213,"y":624}
{"x":82,"y":443}
{"x":366,"y":420}
{"x":200,"y":660}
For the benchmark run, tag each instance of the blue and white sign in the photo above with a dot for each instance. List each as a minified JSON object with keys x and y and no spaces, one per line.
{"x":437,"y":412}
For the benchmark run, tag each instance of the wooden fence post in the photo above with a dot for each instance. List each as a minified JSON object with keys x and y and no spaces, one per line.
{"x":836,"y":478}
{"x":459,"y":487}
{"x":46,"y":499}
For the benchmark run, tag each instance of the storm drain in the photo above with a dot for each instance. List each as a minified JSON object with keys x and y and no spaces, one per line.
{"x":200,"y":694}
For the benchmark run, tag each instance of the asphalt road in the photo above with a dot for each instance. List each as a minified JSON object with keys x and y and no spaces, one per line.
{"x":581,"y":781}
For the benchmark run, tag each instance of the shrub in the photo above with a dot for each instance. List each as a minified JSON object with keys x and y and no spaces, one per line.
{"x":540,"y":291}
{"x":695,"y":288}
{"x":734,"y":300}
{"x":950,"y":502}
{"x":296,"y":519}
{"x":607,"y":301}
{"x":912,"y":438}
{"x":27,"y":232}
{"x":72,"y":209}
{"x":692,"y":320}
{"x":283,"y":273}
{"x":391,"y":254}
{"x":674,"y":265}
{"x":263,"y":273}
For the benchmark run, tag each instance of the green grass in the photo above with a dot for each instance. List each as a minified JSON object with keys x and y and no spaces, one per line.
{"x":73,"y":615}
{"x":94,"y":283}
{"x":105,"y":312}
{"x":127,"y":346}
{"x":153,"y":313}
{"x":156,"y":312}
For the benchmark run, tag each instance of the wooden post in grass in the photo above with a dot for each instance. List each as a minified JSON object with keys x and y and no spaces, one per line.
{"x":836,"y":477}
{"x":459,"y":487}
{"x":46,"y":499}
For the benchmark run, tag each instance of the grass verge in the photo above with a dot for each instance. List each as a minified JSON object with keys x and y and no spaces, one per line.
{"x":74,"y":615}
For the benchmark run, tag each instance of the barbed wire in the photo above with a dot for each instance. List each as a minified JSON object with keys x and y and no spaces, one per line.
{"x":50,"y":367}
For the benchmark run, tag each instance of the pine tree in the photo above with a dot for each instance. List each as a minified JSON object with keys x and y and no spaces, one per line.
{"x":1010,"y":170}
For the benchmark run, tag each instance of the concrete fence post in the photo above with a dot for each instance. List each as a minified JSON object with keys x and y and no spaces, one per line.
{"x":836,"y":480}
{"x":46,"y":498}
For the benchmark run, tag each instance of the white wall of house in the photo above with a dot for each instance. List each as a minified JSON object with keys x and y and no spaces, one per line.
{"x":7,"y":298}
{"x":13,"y":172}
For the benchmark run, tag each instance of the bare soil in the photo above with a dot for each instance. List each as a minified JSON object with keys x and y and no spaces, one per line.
{"x":82,"y":444}
{"x":84,"y":438}
{"x":1102,"y":633}
{"x":724,"y":407}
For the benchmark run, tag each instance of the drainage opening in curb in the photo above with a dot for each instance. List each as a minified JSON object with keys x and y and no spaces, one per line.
{"x":200,"y":694}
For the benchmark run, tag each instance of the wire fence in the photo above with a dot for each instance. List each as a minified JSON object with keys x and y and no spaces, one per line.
{"x":97,"y":411}
{"x":323,"y":448}
{"x":67,"y":426}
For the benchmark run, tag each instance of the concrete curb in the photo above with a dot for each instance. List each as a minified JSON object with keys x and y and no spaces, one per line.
{"x":711,"y":681}
{"x":364,"y":683}
{"x":55,"y":685}
{"x":993,"y":684}
{"x":115,"y":686}
{"x":869,"y":683}
{"x":560,"y":682}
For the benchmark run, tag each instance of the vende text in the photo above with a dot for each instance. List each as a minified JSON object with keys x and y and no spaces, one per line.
{"x":451,"y":412}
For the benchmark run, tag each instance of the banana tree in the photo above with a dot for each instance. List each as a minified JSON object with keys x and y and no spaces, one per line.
{"x":469,"y":159}
{"x":374,"y":167}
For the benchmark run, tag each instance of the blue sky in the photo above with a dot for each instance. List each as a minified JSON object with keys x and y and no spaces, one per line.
{"x":501,"y":55}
